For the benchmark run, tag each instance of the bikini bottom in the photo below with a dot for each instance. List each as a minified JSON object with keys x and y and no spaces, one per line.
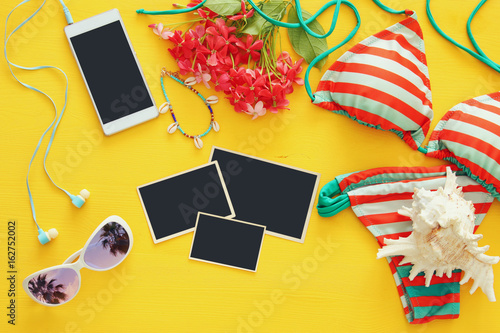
{"x":375,"y":196}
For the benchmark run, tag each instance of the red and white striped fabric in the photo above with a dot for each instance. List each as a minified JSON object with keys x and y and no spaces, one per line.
{"x":376,"y":195}
{"x":383,"y":82}
{"x":469,"y":136}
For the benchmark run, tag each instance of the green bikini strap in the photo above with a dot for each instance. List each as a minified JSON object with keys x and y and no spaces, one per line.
{"x":479,"y":54}
{"x":387,"y":9}
{"x":325,"y":54}
{"x":304,"y":24}
{"x":173,"y":11}
{"x":329,"y":206}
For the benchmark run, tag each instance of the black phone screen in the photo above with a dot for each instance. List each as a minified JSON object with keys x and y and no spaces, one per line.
{"x":111,"y":72}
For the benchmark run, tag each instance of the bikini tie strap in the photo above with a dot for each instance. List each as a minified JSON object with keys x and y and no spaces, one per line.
{"x":329,"y":206}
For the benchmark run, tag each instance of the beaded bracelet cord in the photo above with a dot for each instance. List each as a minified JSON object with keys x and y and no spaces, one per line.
{"x":167,"y":106}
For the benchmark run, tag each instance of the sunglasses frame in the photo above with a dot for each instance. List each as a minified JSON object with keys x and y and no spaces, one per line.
{"x":80,"y":263}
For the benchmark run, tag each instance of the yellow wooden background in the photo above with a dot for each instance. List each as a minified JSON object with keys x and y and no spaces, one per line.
{"x":310,"y":287}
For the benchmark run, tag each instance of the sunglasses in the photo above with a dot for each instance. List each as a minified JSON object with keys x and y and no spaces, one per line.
{"x":108,"y":245}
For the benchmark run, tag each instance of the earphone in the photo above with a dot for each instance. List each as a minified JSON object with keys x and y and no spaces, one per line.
{"x":46,"y":236}
{"x":79,"y":199}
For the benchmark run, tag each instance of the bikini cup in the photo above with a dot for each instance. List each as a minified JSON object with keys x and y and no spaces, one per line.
{"x":383,"y":82}
{"x":469,"y":136}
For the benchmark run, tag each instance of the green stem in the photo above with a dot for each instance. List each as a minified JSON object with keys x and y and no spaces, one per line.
{"x":270,"y":81}
{"x":268,"y":34}
{"x":189,"y":28}
{"x":232,"y":59}
{"x":194,"y":61}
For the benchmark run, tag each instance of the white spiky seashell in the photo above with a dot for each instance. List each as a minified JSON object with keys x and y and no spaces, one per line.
{"x":190,"y":81}
{"x":172,"y":128}
{"x":442,"y":239}
{"x":215,"y":126}
{"x":164,"y":108}
{"x":212,"y":99}
{"x":197,"y":142}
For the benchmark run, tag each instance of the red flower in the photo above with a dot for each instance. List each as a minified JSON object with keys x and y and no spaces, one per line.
{"x":222,"y":82}
{"x":288,"y":71}
{"x":215,"y":45}
{"x":185,"y":66}
{"x":254,"y":82}
{"x":237,"y":101}
{"x":226,"y":33}
{"x":243,"y":14}
{"x":274,"y":98}
{"x":237,"y":76}
{"x":250,"y":48}
{"x":284,"y":64}
{"x":185,"y":46}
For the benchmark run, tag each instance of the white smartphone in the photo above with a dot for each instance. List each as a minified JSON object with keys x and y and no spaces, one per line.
{"x":111,"y":72}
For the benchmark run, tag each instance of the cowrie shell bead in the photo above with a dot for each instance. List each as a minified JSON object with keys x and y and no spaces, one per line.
{"x":190,"y":81}
{"x":215,"y":126}
{"x":164,"y":107}
{"x":212,"y":99}
{"x":198,"y":143}
{"x":172,"y":128}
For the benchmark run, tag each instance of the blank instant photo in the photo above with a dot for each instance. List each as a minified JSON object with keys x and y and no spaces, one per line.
{"x":275,"y":195}
{"x":227,"y":242}
{"x":171,"y":204}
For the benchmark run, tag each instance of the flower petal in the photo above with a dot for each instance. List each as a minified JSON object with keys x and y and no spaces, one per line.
{"x":212,"y":61}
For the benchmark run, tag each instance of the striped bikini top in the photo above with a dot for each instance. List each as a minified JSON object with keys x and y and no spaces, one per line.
{"x":383,"y":82}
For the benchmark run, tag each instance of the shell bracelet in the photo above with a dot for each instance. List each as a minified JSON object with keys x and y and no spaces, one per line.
{"x":167,"y":106}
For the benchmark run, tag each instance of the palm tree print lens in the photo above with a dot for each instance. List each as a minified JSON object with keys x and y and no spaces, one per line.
{"x":108,"y":247}
{"x":54,"y":287}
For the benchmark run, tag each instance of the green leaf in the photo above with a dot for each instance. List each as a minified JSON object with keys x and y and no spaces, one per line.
{"x":224,"y":7}
{"x":307,"y":46}
{"x":272,"y":8}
